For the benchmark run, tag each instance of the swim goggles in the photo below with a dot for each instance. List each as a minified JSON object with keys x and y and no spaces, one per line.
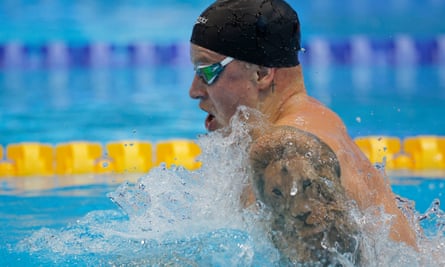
{"x":209,"y":73}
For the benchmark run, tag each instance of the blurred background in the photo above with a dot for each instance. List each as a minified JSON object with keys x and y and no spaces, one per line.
{"x":108,"y":70}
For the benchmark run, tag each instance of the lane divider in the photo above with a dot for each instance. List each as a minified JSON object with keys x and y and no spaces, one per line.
{"x":359,"y":49}
{"x":416,"y":153}
{"x":80,"y":157}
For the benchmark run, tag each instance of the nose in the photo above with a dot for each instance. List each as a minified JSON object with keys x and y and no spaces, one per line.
{"x":197,"y":89}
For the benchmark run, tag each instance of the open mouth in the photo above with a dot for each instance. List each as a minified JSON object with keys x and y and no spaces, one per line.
{"x":210,"y":122}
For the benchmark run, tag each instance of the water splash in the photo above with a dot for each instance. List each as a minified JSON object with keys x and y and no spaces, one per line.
{"x":177,"y":217}
{"x":433,"y":220}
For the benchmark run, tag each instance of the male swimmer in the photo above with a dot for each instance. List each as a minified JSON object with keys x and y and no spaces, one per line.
{"x":245,"y":53}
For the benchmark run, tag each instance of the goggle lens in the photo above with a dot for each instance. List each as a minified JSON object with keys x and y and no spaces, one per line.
{"x":209,"y":73}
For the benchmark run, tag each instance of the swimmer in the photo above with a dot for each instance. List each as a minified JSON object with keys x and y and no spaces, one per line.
{"x":245,"y":53}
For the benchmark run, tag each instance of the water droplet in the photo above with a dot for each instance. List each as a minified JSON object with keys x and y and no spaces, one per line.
{"x":300,"y":121}
{"x":358,"y":119}
{"x":141,"y":186}
{"x":328,"y":182}
{"x":294,"y":189}
{"x":324,"y":241}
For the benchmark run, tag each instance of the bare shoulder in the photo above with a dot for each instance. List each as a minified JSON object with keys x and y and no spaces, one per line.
{"x":298,"y":177}
{"x":310,"y":115}
{"x":288,"y":159}
{"x":286,"y":142}
{"x":324,"y":110}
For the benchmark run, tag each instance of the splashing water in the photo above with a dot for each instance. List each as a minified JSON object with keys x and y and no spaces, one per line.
{"x":177,"y":217}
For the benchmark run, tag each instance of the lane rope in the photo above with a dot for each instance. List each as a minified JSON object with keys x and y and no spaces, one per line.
{"x":413,"y":154}
{"x":359,"y":49}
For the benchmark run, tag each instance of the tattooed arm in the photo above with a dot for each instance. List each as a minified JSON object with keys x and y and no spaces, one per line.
{"x":298,"y":177}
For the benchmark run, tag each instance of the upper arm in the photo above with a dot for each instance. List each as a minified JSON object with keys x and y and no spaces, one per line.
{"x":291,"y":166}
{"x":298,"y":177}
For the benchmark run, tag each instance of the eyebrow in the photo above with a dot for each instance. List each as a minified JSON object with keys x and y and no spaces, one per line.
{"x":202,"y":60}
{"x":204,"y":57}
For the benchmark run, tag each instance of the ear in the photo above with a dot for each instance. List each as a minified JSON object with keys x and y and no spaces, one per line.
{"x":265,"y":77}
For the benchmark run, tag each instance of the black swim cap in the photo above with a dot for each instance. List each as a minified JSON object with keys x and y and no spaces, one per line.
{"x":263,"y":32}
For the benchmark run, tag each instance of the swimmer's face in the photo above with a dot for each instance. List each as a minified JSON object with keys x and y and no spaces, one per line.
{"x":235,"y":86}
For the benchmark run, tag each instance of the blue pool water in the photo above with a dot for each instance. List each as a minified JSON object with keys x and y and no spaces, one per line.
{"x":127,"y":103}
{"x":166,"y":218}
{"x":57,"y":221}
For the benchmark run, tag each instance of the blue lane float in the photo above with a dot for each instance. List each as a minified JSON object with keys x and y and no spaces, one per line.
{"x":401,"y":49}
{"x":61,"y":54}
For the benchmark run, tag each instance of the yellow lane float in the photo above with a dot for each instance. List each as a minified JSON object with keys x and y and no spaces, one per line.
{"x":416,"y":153}
{"x":82,"y":157}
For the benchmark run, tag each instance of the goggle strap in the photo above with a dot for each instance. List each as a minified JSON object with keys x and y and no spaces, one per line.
{"x":226,"y":61}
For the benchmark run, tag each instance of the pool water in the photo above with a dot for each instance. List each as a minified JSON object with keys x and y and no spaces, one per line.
{"x":97,"y":105}
{"x":128,"y":103}
{"x":177,"y":217}
{"x":170,"y":20}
